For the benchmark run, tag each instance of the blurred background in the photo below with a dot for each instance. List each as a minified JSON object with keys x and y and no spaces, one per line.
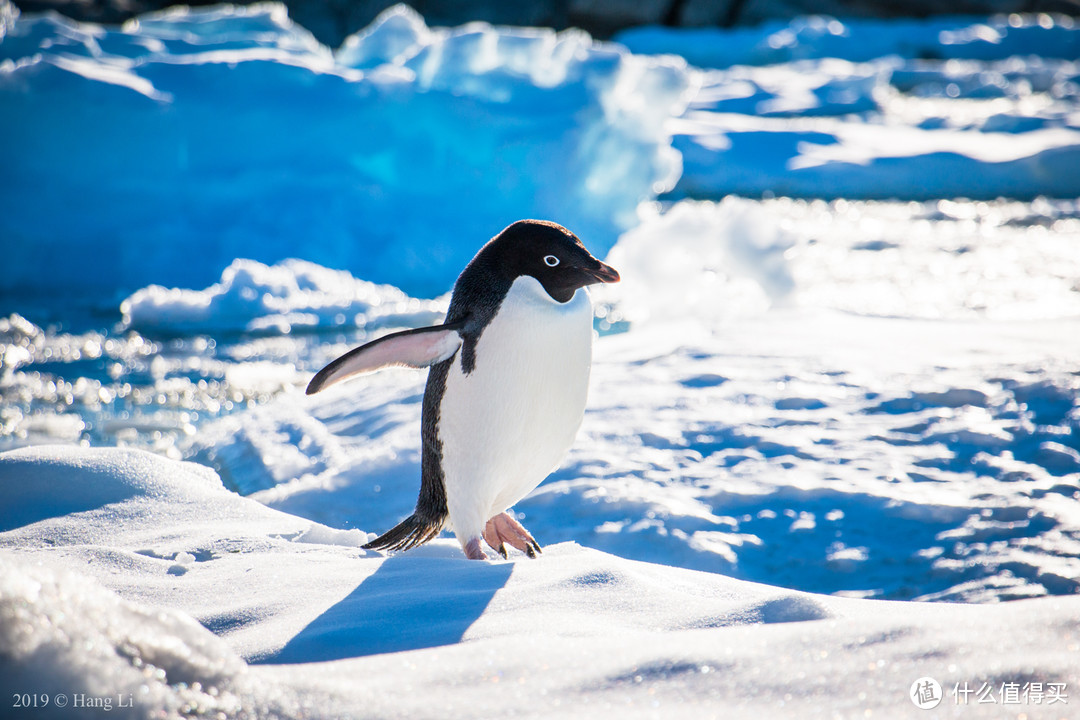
{"x":331,"y":21}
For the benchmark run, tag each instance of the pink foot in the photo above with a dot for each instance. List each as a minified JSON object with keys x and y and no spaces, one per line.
{"x":473,"y":551}
{"x":503,"y":528}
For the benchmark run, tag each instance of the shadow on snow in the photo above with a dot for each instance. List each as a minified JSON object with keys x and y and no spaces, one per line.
{"x":412,"y":601}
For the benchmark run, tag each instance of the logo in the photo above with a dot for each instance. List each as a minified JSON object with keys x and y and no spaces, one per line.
{"x":925,"y":693}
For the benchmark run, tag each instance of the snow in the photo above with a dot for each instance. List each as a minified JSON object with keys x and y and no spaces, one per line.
{"x":802,"y":411}
{"x":939,"y":260}
{"x":321,"y":629}
{"x":790,"y":428}
{"x":920,"y":109}
{"x":65,"y":635}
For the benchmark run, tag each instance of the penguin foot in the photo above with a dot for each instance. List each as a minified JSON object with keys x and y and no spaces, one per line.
{"x":502,"y":529}
{"x":473,"y":551}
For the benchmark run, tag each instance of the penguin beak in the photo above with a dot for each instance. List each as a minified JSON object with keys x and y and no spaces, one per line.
{"x":603,"y":273}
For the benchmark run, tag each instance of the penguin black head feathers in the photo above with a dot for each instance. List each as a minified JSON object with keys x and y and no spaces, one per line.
{"x":548,"y":252}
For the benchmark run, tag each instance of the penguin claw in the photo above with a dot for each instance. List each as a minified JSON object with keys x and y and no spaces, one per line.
{"x":491,"y":537}
{"x":503,"y":529}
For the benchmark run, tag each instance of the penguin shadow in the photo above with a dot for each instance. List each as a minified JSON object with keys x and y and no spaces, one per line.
{"x":425,"y":598}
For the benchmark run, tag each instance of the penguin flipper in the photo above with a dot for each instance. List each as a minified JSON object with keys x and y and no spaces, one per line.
{"x":417,"y":348}
{"x":407,"y":534}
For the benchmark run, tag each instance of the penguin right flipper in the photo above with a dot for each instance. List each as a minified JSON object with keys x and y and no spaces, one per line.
{"x":417,"y":348}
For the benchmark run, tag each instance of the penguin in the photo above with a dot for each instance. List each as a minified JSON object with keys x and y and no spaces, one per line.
{"x":506,"y":389}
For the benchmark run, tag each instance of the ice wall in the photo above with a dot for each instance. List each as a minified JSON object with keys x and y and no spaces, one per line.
{"x":160,"y":151}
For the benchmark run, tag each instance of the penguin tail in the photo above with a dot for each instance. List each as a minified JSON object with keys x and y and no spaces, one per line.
{"x":407,"y":534}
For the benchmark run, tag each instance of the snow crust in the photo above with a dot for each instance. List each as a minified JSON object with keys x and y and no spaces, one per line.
{"x":64,"y":635}
{"x":91,"y":605}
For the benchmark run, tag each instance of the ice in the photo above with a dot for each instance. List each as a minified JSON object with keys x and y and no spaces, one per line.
{"x":399,"y":35}
{"x":828,"y":157}
{"x":288,"y":297}
{"x":91,"y":610}
{"x":861,"y":40}
{"x":945,"y":107}
{"x":214,"y":350}
{"x":228,"y":132}
{"x":702,"y":262}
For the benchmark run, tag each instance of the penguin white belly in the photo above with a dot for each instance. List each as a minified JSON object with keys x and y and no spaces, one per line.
{"x":506,"y":425}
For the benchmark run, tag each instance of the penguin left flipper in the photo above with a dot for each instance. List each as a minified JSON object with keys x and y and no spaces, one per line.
{"x":417,"y":348}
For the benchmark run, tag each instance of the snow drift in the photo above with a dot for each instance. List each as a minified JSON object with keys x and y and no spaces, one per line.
{"x":327,"y":630}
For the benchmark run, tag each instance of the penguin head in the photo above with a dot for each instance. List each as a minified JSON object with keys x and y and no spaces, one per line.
{"x":552,"y":255}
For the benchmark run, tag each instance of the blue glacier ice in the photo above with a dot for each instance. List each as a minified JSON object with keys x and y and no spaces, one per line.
{"x":160,"y":151}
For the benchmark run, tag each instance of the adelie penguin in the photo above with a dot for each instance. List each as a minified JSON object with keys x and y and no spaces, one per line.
{"x":506,"y":391}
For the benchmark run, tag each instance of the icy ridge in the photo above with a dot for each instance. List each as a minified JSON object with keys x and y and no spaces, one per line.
{"x":290,"y":296}
{"x":229,"y":132}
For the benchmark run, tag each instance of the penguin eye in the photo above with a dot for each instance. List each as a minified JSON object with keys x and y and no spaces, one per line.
{"x":551,"y":260}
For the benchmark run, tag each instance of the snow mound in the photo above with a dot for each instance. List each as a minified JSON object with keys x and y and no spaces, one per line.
{"x":228,"y":132}
{"x":100,"y":479}
{"x":331,"y":632}
{"x":292,"y":295}
{"x":89,"y":652}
